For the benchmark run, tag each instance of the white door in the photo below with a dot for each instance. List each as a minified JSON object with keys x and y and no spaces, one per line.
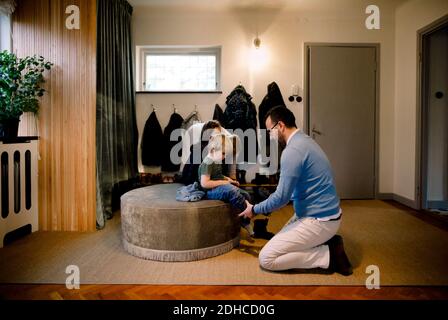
{"x":436,"y":114}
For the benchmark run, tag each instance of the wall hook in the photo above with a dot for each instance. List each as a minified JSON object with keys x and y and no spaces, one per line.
{"x":295,"y":94}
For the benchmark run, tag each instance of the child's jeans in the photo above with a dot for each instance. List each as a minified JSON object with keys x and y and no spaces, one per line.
{"x":235,"y":196}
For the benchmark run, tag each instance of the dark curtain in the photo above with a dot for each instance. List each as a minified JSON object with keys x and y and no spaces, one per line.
{"x":116,"y":131}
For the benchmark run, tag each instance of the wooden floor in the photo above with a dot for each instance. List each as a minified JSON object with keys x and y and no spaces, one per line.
{"x":148,"y":292}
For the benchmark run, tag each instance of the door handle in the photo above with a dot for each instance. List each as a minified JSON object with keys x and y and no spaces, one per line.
{"x":316,"y":132}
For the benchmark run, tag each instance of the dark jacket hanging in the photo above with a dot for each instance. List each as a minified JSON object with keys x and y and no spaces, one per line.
{"x":272,"y":99}
{"x":152,"y":142}
{"x":191,"y":119}
{"x":175,"y":122}
{"x":218,"y":114}
{"x":241,"y":114}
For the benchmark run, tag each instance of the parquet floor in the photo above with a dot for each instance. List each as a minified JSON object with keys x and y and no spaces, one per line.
{"x":149,"y":292}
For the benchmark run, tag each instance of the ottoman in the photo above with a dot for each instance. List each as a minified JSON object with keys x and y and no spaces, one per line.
{"x":157,"y":227}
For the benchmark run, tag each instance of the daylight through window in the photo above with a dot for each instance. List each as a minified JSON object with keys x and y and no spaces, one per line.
{"x":191,"y":70}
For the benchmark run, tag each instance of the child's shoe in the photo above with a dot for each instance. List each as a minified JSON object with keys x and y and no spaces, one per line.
{"x":249,"y":229}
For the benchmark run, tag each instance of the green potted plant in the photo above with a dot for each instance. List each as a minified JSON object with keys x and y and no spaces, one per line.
{"x":20,"y":89}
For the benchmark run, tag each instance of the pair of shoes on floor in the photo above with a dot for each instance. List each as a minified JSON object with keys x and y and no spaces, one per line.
{"x":260,"y":229}
{"x":338,"y":258}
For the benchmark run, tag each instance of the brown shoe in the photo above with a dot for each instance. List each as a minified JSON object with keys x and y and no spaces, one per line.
{"x":338,"y":258}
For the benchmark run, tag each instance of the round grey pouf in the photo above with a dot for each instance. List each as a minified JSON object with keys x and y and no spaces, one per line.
{"x":157,"y":227}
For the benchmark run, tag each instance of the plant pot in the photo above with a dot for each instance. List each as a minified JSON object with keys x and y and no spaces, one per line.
{"x":9,"y":129}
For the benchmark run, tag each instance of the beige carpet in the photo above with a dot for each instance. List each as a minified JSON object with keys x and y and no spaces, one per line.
{"x":407,"y":250}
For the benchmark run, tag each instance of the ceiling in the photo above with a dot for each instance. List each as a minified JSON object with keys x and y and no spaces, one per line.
{"x":213,"y":3}
{"x":305,"y":5}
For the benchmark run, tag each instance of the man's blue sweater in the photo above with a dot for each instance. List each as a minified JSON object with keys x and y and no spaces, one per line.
{"x":306,"y":178}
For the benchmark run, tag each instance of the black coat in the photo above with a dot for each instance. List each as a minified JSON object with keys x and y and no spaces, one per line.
{"x":272,"y":99}
{"x":241,"y":114}
{"x":152,"y":142}
{"x":175,"y":122}
{"x":219,"y":114}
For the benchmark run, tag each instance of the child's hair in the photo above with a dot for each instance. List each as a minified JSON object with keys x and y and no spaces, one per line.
{"x":220,"y":142}
{"x":207,"y":129}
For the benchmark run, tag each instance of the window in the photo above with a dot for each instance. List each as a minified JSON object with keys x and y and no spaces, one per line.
{"x":179,"y":69}
{"x":5,"y":32}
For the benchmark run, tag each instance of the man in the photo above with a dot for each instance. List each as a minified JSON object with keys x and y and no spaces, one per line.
{"x":309,"y":238}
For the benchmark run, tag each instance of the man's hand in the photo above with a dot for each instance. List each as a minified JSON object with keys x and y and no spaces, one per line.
{"x":248,"y":211}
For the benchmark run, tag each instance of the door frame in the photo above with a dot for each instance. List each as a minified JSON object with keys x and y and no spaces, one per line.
{"x":306,"y":91}
{"x":421,"y":129}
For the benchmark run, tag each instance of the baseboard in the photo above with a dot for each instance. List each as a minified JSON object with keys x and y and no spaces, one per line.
{"x":407,"y":202}
{"x":400,"y":199}
{"x":385,"y":196}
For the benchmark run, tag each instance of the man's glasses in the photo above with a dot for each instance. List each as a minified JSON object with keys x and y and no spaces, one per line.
{"x":269,"y":131}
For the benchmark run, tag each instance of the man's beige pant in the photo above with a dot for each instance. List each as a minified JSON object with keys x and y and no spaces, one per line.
{"x":299,"y":245}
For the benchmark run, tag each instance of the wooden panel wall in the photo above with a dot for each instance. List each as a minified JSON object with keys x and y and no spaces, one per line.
{"x":67,"y":179}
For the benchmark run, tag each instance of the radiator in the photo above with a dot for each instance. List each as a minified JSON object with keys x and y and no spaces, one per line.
{"x":18,"y":187}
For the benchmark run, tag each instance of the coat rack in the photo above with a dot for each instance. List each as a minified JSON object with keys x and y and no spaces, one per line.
{"x":295,"y":94}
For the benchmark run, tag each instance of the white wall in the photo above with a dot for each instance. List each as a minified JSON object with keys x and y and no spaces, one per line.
{"x":283,"y":34}
{"x":410,"y":17}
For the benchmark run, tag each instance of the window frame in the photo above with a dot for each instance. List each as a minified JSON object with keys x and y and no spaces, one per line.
{"x":5,"y":22}
{"x":144,"y":51}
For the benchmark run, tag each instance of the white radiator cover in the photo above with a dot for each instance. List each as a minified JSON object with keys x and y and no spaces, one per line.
{"x":20,"y":212}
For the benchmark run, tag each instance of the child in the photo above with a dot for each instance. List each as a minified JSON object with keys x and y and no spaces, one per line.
{"x":216,"y":185}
